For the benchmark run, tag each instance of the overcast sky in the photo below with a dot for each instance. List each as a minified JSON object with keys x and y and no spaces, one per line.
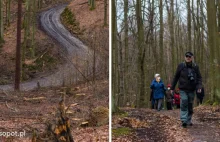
{"x":180,"y":3}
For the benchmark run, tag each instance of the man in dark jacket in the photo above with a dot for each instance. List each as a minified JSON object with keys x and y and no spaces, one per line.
{"x":190,"y":80}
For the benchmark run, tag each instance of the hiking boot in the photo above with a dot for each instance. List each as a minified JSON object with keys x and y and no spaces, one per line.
{"x":184,"y":125}
{"x":190,"y":124}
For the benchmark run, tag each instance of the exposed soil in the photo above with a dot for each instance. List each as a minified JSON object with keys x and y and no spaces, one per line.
{"x":165,"y":125}
{"x":91,"y":22}
{"x":89,"y":19}
{"x":43,"y":43}
{"x":17,"y":113}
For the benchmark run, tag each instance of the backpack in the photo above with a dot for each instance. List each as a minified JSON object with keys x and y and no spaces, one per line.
{"x":177,"y":99}
{"x":184,"y":65}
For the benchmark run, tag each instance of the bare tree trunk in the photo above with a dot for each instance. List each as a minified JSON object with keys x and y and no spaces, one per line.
{"x":161,"y":36}
{"x":39,"y":4}
{"x":198,"y":41}
{"x":172,"y":36}
{"x":18,"y":48}
{"x":8,"y":13}
{"x":126,"y":51}
{"x":203,"y":63}
{"x":26,"y":24}
{"x":33,"y":28}
{"x":114,"y":55}
{"x":170,"y":11}
{"x":120,"y":67}
{"x":218,"y":46}
{"x":189,"y":25}
{"x":94,"y":65}
{"x":211,"y":13}
{"x":194,"y":31}
{"x":105,"y":13}
{"x":1,"y":22}
{"x":141,"y":55}
{"x":152,"y":42}
{"x":92,"y":3}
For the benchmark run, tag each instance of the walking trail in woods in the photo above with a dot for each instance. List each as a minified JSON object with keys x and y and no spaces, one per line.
{"x":72,"y":47}
{"x":152,"y":126}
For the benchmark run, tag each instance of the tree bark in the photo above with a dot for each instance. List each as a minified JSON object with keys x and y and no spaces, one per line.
{"x":1,"y":22}
{"x":161,"y":35}
{"x":211,"y":14}
{"x":141,"y":55}
{"x":126,"y":51}
{"x":189,"y":25}
{"x":18,"y":48}
{"x":33,"y":27}
{"x":92,"y":4}
{"x":120,"y":67}
{"x":105,"y":13}
{"x":114,"y":55}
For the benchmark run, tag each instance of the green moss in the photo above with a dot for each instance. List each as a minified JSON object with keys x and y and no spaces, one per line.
{"x":69,"y":20}
{"x":208,"y":102}
{"x":215,"y":104}
{"x":41,"y":64}
{"x":3,"y":82}
{"x":120,"y":113}
{"x":92,"y":8}
{"x":99,"y":116}
{"x":121,"y":131}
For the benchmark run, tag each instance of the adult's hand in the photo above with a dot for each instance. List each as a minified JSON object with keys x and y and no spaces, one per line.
{"x":171,"y":92}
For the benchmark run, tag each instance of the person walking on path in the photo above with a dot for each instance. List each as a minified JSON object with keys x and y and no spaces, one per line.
{"x":177,"y":98}
{"x":158,"y":91}
{"x":169,"y":98}
{"x":200,"y":96}
{"x":190,"y":80}
{"x":152,"y":99}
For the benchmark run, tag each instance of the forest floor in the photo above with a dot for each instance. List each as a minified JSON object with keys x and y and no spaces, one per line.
{"x":146,"y":125}
{"x":31,"y":110}
{"x":91,"y":23}
{"x":46,"y":51}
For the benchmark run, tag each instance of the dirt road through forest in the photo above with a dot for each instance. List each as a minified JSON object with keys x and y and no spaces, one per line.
{"x":148,"y":125}
{"x":71,"y":46}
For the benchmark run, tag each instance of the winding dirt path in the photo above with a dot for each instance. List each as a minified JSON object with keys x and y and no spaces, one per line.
{"x":203,"y":130}
{"x":71,"y":46}
{"x":165,"y":126}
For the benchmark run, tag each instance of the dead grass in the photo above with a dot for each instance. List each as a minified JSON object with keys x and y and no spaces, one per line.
{"x":16,"y":116}
{"x":91,"y":23}
{"x":7,"y":52}
{"x":88,"y":19}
